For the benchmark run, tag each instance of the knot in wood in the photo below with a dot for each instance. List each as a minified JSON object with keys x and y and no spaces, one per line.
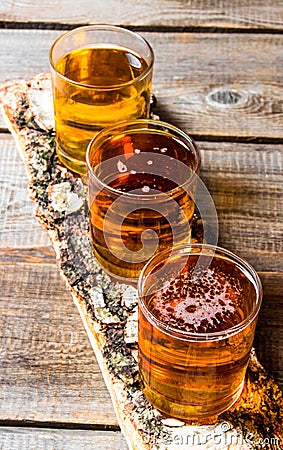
{"x":225,"y":96}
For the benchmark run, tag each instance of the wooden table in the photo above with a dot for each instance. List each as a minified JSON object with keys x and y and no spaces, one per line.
{"x":218,"y":75}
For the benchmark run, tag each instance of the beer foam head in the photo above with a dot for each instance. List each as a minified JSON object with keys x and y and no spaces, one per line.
{"x":208,"y":303}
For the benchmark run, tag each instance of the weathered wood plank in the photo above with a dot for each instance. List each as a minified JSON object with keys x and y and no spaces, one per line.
{"x":19,"y":228}
{"x":269,"y":331}
{"x":207,"y":13}
{"x":245,"y":181}
{"x":48,"y":371}
{"x":31,"y":255}
{"x":205,"y":83}
{"x":53,"y":439}
{"x":212,"y":86}
{"x":65,"y":385}
{"x":69,"y":265}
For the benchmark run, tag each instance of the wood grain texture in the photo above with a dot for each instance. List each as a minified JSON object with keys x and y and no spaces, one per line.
{"x":269,"y":332}
{"x":48,"y":439}
{"x":207,"y":13}
{"x":212,"y":85}
{"x":66,"y":385}
{"x":19,"y":228}
{"x":37,"y":274}
{"x":47,"y":370}
{"x":207,"y":85}
{"x":245,"y":181}
{"x":29,"y":255}
{"x":223,"y":165}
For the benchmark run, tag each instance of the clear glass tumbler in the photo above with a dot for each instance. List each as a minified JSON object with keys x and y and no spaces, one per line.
{"x":198,"y":307}
{"x":101,"y":74}
{"x":142,"y":181}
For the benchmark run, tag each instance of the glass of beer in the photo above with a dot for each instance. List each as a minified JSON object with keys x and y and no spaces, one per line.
{"x":101,"y":74}
{"x":142,"y":183}
{"x":198,"y":307}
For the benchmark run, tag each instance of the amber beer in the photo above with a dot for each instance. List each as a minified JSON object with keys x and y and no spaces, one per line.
{"x":142,"y":182}
{"x":100,"y":75}
{"x":197,"y":318}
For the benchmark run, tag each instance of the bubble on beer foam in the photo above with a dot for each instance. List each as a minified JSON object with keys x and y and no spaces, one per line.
{"x":121,"y":167}
{"x":204,"y":304}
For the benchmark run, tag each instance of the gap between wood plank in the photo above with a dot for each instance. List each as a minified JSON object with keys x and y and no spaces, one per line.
{"x":238,"y":139}
{"x":142,"y":28}
{"x":58,"y":425}
{"x":210,"y":138}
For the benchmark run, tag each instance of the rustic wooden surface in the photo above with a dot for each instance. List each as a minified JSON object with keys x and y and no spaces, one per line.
{"x":44,"y":439}
{"x":215,"y":86}
{"x":238,"y":14}
{"x":218,"y":86}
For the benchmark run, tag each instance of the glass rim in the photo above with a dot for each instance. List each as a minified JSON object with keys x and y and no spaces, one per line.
{"x":189,"y":142}
{"x":101,"y":27}
{"x":209,"y":336}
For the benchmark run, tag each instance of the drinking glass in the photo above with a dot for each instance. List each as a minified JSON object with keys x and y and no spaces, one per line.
{"x":101,"y":74}
{"x":198,"y":307}
{"x":142,"y":181}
